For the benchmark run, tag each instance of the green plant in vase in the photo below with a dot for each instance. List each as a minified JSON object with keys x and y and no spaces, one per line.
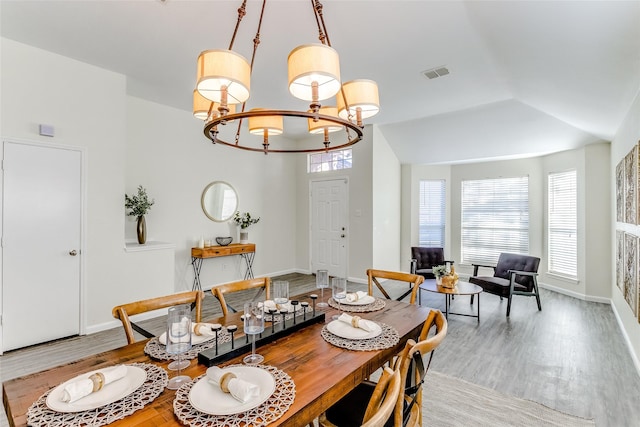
{"x":139,"y":205}
{"x":244,"y":221}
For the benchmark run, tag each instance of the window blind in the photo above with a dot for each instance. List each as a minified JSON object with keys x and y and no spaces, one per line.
{"x":432,"y":213}
{"x":563,"y":223}
{"x":495,"y":219}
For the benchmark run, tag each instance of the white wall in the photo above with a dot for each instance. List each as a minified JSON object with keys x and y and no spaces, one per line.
{"x":87,"y":106}
{"x":386,"y":205}
{"x":168,"y":154}
{"x":131,"y":142}
{"x":627,"y":136}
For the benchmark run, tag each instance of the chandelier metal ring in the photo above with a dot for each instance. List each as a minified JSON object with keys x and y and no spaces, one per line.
{"x":211,"y":127}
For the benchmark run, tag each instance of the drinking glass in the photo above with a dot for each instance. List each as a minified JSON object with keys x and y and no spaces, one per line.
{"x":253,"y":325}
{"x":322,"y":281}
{"x":339,"y":288}
{"x":178,"y":341}
{"x":280,"y":292}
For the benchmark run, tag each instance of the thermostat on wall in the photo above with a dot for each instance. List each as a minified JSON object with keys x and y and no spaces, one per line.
{"x":46,"y":130}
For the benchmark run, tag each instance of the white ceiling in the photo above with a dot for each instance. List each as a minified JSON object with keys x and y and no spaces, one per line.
{"x":527,"y":77}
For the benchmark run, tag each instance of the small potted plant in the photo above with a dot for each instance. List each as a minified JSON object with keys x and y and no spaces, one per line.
{"x":139,"y":205}
{"x":444,"y":277}
{"x":244,"y":221}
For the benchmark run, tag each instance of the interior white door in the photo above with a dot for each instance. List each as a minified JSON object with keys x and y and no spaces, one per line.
{"x":329,"y":237}
{"x":41,"y":225}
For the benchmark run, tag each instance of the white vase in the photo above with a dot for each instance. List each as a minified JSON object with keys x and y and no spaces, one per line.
{"x":244,"y":236}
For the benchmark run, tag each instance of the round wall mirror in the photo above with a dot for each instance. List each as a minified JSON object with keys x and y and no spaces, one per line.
{"x":219,"y":201}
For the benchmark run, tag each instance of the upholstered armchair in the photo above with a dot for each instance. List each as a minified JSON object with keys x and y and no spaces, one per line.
{"x":424,"y":259}
{"x":514,"y":274}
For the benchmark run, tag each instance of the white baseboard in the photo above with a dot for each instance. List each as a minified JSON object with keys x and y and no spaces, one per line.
{"x":117,"y":324}
{"x":634,"y":356}
{"x":573,"y":294}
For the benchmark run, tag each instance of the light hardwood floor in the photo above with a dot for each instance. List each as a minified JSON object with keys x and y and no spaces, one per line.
{"x":571,"y":356}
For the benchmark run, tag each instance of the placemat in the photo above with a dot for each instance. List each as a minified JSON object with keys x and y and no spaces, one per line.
{"x":388,"y":338}
{"x":378,"y":304}
{"x":157,"y":350}
{"x":269,"y":411}
{"x":39,"y":413}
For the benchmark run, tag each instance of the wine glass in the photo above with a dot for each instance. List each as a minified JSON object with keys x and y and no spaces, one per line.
{"x":322,"y":281}
{"x":339,"y":288}
{"x":280,"y":292}
{"x":253,"y":325}
{"x":178,"y":341}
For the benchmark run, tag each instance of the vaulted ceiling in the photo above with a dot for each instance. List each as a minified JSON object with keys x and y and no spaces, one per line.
{"x":525,"y":77}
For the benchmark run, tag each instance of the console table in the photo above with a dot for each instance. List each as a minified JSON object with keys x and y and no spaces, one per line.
{"x":246,"y":250}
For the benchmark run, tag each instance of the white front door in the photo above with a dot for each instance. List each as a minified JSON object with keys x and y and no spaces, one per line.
{"x":41,"y":236}
{"x":329,"y":228}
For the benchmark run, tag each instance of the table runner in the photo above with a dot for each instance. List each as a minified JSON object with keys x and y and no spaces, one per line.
{"x":378,"y":304}
{"x":387,"y":339}
{"x":157,"y":350}
{"x":39,"y":414}
{"x":276,"y":405}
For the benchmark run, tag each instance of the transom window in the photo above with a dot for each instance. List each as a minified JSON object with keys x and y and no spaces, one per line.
{"x":495,"y":219}
{"x":333,"y":160}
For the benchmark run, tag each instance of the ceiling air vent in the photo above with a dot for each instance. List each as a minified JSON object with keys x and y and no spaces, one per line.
{"x":436,"y":72}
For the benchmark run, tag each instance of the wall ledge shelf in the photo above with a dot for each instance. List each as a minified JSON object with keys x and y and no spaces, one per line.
{"x":151,"y":245}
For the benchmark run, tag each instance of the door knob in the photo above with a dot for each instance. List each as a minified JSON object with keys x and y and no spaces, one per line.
{"x":342,"y":235}
{"x":73,"y":252}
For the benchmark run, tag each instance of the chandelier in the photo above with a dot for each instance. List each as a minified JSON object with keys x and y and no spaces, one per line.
{"x":224,"y":82}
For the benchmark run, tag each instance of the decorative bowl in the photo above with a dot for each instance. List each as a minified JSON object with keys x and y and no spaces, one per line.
{"x":224,"y":241}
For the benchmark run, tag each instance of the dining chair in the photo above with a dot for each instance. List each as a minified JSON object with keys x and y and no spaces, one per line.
{"x":413,"y":280}
{"x":123,"y":311}
{"x":379,"y":406}
{"x":262,"y":284}
{"x":410,"y":364}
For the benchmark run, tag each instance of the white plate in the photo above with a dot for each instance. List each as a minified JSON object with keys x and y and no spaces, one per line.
{"x":344,"y":330}
{"x":362,"y":301}
{"x":195,"y":339}
{"x":208,"y":398}
{"x":110,"y":393}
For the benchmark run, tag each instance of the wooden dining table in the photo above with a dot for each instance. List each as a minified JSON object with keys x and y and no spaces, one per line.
{"x":322,"y":372}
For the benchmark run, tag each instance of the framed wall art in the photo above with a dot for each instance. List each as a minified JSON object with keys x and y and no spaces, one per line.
{"x":631,"y":271}
{"x":620,"y":191}
{"x":620,"y":260}
{"x":630,"y":186}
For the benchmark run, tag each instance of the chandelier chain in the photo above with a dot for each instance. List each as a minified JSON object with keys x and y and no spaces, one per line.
{"x":242,"y":11}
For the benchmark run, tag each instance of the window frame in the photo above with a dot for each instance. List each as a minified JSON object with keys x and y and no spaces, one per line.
{"x":430,"y":211}
{"x":333,"y":160}
{"x":562,"y":219}
{"x":494,"y":218}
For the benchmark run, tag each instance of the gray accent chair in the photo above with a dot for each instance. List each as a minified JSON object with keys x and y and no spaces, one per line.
{"x":514,"y":274}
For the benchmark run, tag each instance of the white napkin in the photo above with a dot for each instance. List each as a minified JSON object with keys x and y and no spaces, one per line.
{"x":241,"y":390}
{"x":76,"y":390}
{"x":271,"y":305}
{"x":357,"y":322}
{"x":355,"y":296}
{"x":205,"y":329}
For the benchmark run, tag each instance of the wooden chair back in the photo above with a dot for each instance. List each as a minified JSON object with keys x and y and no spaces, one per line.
{"x":413,"y":280}
{"x":123,"y":311}
{"x":384,"y":398}
{"x":263,"y":283}
{"x":403,"y":363}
